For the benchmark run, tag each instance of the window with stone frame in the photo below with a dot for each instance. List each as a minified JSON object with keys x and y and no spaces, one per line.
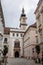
{"x":5,"y":40}
{"x":33,"y":50}
{"x":41,"y":36}
{"x":39,"y":19}
{"x":17,"y":44}
{"x":36,"y":39}
{"x":21,"y":35}
{"x":17,"y":34}
{"x":13,"y":34}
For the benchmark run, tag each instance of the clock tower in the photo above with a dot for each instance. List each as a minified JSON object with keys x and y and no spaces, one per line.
{"x":23,"y":22}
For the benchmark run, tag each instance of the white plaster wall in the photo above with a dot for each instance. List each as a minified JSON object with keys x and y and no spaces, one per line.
{"x":11,"y":44}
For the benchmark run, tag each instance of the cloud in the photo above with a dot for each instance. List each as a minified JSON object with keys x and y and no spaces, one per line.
{"x":12,"y":11}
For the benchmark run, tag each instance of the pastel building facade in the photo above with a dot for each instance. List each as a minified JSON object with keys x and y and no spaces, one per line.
{"x":30,"y":41}
{"x":2,"y":25}
{"x":39,"y":20}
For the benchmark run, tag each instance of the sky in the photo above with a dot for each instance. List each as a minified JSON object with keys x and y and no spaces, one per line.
{"x":12,"y":10}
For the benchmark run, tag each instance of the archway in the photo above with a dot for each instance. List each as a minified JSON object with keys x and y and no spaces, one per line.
{"x":16,"y":54}
{"x":16,"y":48}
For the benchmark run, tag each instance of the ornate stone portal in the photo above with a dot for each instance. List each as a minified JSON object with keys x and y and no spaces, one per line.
{"x":17,"y":48}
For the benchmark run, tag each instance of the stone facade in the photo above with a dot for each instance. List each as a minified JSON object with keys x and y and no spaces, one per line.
{"x":14,"y":37}
{"x":39,"y":20}
{"x":21,"y":42}
{"x":2,"y":25}
{"x":17,"y":38}
{"x":30,"y":40}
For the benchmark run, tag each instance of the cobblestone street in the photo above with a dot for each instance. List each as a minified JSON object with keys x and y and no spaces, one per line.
{"x":20,"y":61}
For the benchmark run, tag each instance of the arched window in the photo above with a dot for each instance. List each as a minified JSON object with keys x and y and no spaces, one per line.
{"x":17,"y":44}
{"x":17,"y":35}
{"x":21,"y":35}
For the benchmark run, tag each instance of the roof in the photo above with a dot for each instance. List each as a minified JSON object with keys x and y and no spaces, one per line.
{"x":6,"y":30}
{"x":33,"y":26}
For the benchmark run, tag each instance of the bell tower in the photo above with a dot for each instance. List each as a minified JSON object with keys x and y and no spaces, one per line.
{"x":23,"y":18}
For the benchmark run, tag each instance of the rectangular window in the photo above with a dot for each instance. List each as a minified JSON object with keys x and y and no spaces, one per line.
{"x":13,"y":34}
{"x":5,"y":40}
{"x":17,"y":34}
{"x":21,"y":35}
{"x":36,"y":39}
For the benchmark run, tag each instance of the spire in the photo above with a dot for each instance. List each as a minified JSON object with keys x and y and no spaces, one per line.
{"x":22,"y":10}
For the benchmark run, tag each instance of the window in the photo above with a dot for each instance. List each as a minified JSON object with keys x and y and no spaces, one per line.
{"x":33,"y":50}
{"x":5,"y":40}
{"x":13,"y":34}
{"x":17,"y":35}
{"x":36,"y":39}
{"x":17,"y":44}
{"x":21,"y":35}
{"x":41,"y":36}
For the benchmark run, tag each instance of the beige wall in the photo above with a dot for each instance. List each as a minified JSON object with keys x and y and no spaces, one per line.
{"x":29,"y":42}
{"x":39,"y":20}
{"x":1,"y":29}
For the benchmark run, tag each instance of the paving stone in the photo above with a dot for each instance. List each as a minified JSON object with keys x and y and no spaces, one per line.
{"x":20,"y":61}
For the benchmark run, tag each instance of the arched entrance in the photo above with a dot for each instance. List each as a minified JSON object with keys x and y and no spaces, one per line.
{"x":16,"y":54}
{"x":16,"y":48}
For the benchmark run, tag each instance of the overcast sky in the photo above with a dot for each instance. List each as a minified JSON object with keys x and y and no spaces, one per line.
{"x":12,"y":11}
